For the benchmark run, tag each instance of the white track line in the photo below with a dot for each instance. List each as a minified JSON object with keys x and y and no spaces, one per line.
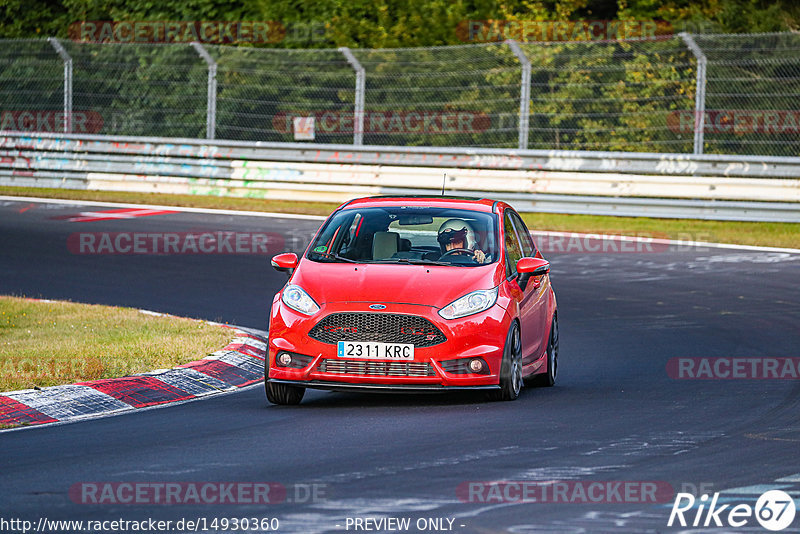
{"x":170,"y":208}
{"x":319,"y":218}
{"x":666,"y":241}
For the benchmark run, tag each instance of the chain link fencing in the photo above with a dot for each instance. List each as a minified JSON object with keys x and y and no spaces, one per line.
{"x":700,"y":93}
{"x":752,"y":98}
{"x":32,"y":79}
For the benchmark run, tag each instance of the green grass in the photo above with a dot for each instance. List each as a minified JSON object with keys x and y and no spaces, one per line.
{"x":188,"y":201}
{"x":744,"y":233}
{"x":50,"y":343}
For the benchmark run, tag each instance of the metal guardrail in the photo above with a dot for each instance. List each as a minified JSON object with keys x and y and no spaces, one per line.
{"x":607,"y":183}
{"x":544,"y":160}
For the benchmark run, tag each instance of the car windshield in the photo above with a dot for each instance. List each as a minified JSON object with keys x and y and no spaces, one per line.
{"x":411,"y":235}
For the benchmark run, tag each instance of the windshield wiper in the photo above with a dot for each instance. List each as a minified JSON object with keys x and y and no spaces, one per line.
{"x":333,"y":256}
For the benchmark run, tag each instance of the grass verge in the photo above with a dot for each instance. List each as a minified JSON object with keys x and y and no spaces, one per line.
{"x":764,"y":234}
{"x":186,"y":201}
{"x":743,"y":233}
{"x":50,"y":343}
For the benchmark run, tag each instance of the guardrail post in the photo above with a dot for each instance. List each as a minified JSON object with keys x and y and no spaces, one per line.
{"x":211,"y":101}
{"x":700,"y":91}
{"x":358,"y":122}
{"x":524,"y":93}
{"x":65,"y":57}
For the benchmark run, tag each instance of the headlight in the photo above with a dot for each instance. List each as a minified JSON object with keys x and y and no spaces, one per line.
{"x":474,"y":302}
{"x":297,"y":299}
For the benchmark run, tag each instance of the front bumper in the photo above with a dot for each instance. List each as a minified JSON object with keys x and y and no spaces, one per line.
{"x":382,"y":388}
{"x":481,"y":335}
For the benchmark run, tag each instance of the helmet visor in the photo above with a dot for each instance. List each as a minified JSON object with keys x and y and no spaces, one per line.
{"x":449,"y":236}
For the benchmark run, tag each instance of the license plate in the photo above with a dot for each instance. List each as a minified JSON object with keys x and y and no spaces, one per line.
{"x":375,"y":350}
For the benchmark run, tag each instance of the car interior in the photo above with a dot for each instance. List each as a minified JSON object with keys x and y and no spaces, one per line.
{"x":380,"y":236}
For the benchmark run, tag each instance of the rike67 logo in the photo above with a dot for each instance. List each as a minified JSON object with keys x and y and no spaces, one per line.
{"x":774,"y":510}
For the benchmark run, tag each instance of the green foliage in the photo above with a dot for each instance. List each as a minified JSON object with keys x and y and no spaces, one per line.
{"x":397,"y":23}
{"x":610,"y":96}
{"x":32,"y":18}
{"x":141,"y":89}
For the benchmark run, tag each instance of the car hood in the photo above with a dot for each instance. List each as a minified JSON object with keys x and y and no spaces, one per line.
{"x":433,"y":285}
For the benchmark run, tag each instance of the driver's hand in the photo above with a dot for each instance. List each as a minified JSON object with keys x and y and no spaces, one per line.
{"x":480,"y":256}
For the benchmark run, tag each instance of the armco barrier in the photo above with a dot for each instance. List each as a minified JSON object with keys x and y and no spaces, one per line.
{"x":656,"y":185}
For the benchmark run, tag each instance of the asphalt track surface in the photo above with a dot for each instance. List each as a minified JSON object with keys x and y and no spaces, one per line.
{"x":614,"y":415}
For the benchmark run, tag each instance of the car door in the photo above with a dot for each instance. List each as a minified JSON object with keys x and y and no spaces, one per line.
{"x":532,"y":300}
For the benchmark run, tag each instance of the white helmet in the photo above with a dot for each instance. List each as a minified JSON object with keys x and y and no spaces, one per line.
{"x":455,"y":228}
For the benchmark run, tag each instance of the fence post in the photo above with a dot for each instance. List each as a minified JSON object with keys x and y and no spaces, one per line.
{"x":211,"y":101}
{"x":358,"y":123}
{"x":700,"y":91}
{"x":524,"y":93}
{"x":67,"y":82}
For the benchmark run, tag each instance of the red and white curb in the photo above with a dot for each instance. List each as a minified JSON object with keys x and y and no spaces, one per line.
{"x":239,"y":364}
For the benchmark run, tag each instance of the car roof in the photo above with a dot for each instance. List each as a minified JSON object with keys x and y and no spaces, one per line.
{"x":476,"y":204}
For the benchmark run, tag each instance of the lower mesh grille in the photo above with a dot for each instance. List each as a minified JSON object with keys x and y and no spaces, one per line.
{"x":368,"y":368}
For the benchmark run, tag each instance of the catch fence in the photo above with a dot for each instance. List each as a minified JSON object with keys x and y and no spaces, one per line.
{"x":686,"y":93}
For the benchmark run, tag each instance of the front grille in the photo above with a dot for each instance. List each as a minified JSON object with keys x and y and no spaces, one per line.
{"x":368,"y":368}
{"x":385,"y":327}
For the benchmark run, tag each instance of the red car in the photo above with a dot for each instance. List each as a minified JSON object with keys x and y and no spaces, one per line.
{"x":414,"y":294}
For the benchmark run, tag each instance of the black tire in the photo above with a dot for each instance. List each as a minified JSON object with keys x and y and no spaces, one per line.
{"x":510,"y":369}
{"x":283,"y":393}
{"x":548,"y":379}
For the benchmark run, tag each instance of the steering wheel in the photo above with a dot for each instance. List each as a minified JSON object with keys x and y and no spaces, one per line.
{"x":455,"y":251}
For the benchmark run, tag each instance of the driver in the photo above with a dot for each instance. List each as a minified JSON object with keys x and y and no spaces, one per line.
{"x":458,"y":234}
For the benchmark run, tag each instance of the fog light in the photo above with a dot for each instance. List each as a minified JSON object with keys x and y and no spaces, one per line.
{"x":284,"y":359}
{"x":476,"y":365}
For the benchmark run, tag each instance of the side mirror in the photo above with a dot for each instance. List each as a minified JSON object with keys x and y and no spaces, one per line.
{"x":531,"y":267}
{"x":285,"y":263}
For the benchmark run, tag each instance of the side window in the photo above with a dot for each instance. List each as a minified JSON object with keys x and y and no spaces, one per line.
{"x":528,"y":248}
{"x":513,"y":249}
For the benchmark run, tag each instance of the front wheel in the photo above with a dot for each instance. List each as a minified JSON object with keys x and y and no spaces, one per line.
{"x":283,"y":393}
{"x":510,"y":368}
{"x":548,"y":379}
